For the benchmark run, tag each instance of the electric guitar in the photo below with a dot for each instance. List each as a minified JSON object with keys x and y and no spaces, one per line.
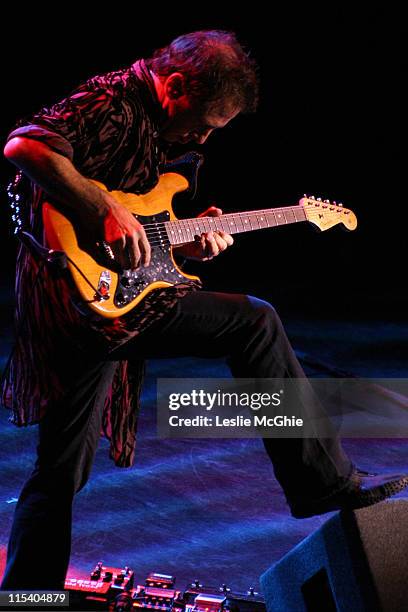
{"x":112,"y":294}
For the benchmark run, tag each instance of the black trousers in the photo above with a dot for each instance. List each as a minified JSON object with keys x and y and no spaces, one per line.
{"x":245,"y":330}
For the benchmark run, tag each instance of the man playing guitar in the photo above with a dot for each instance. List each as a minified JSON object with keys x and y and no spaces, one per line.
{"x":77,"y":373}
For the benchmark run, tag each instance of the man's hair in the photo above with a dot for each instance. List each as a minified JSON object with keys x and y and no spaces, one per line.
{"x":217,"y":70}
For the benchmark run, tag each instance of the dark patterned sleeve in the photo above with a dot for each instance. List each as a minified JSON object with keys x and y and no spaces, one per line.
{"x":55,"y":141}
{"x":85,"y":124}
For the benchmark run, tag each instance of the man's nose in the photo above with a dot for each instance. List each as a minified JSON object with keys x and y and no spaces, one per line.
{"x":201,"y":138}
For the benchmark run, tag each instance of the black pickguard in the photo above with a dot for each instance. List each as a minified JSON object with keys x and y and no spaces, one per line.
{"x":132,"y":282}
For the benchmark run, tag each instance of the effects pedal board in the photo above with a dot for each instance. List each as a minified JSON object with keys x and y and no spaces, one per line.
{"x":101,"y":588}
{"x":112,"y":589}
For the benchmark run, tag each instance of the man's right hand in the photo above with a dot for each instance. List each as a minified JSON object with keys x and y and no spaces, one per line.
{"x":118,"y":229}
{"x":98,"y":216}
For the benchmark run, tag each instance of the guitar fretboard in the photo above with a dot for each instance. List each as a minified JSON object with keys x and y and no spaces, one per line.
{"x":185,"y":230}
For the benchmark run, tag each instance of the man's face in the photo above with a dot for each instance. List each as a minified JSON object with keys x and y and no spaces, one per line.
{"x":188,"y":123}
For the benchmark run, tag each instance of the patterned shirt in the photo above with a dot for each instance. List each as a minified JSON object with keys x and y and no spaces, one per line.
{"x":109,"y":129}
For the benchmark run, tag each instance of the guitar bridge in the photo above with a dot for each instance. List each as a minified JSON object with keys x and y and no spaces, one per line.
{"x":104,"y":283}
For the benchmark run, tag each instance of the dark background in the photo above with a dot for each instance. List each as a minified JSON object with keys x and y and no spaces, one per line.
{"x":329,"y":124}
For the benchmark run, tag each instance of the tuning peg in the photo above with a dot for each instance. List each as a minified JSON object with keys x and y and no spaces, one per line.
{"x":326,"y":201}
{"x":319,"y":199}
{"x":340,"y":204}
{"x":305,"y":195}
{"x":312,"y":198}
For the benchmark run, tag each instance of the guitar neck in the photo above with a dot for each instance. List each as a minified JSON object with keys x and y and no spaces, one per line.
{"x":184,"y":230}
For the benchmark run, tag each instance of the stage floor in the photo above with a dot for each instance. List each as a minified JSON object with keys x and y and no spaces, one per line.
{"x":206,"y":509}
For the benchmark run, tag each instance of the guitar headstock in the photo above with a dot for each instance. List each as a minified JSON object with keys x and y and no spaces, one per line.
{"x":326,"y":214}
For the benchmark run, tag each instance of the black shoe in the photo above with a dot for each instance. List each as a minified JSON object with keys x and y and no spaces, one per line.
{"x":363,"y":489}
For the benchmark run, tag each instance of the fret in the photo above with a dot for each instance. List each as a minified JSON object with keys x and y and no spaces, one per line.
{"x":188,"y":234}
{"x":300,"y":214}
{"x":204,"y":225}
{"x":207,"y":224}
{"x":238,"y":223}
{"x":211,"y":224}
{"x":229,"y":224}
{"x":188,"y":237}
{"x":198,"y":227}
{"x":188,"y":230}
{"x":253,"y":221}
{"x":195,"y":227}
{"x":289,"y":215}
{"x":175,"y":233}
{"x":189,"y":227}
{"x":280,"y":217}
{"x":246,"y":224}
{"x":224,"y":223}
{"x":271,"y":219}
{"x":216,"y":224}
{"x":262,"y":220}
{"x":180,"y":231}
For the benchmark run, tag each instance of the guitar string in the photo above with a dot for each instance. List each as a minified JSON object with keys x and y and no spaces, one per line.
{"x":159,"y":238}
{"x":164,"y":235}
{"x":153,"y":234}
{"x":246,"y":214}
{"x":162,"y":225}
{"x":322,"y":206}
